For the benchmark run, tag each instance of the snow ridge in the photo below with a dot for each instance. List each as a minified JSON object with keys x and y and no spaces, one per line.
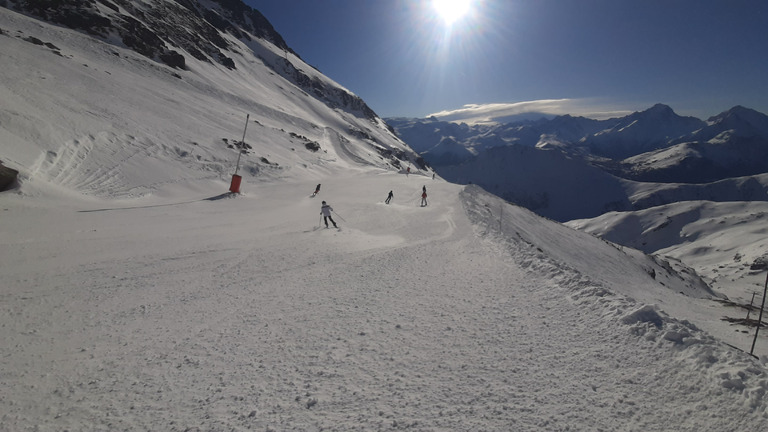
{"x":693,"y":352}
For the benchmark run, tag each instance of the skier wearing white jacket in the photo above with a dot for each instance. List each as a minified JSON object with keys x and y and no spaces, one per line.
{"x":326,"y":210}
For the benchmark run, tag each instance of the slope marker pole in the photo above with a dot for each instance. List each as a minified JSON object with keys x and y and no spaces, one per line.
{"x":760,"y":317}
{"x":751,"y":302}
{"x":242,"y":143}
{"x":234,"y":185}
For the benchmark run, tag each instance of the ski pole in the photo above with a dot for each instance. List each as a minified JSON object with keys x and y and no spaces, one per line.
{"x":339,"y":216}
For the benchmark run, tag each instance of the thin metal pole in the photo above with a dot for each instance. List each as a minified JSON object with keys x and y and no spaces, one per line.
{"x":242,"y":143}
{"x":749,"y":309}
{"x":334,"y":212}
{"x":501,"y":219}
{"x":760,"y":317}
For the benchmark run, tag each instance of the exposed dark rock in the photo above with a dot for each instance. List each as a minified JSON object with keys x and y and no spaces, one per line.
{"x":760,"y":263}
{"x":154,"y":29}
{"x":8,"y":177}
{"x":33,"y":40}
{"x":226,"y":61}
{"x":110,"y":5}
{"x":173,"y":59}
{"x":75,"y":14}
{"x":140,"y":38}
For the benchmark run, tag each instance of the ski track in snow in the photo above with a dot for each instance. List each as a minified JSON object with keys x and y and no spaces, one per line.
{"x":236,"y":314}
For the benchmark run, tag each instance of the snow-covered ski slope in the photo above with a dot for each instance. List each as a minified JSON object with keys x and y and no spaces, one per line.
{"x":135,"y":294}
{"x":241,"y":313}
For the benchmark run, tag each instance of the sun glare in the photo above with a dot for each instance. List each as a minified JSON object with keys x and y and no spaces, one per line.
{"x":451,"y":10}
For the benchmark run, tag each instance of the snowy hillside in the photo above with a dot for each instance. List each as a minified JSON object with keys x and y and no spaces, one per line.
{"x":641,"y":132}
{"x":73,"y":102}
{"x":645,"y":195}
{"x":724,"y":242}
{"x":137,"y":294}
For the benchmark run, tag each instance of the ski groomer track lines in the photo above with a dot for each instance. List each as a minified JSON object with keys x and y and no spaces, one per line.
{"x":92,"y":164}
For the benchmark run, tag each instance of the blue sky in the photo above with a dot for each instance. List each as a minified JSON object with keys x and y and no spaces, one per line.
{"x":701,"y":57}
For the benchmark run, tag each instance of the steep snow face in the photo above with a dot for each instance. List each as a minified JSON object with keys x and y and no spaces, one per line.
{"x":95,"y":118}
{"x":647,"y":195}
{"x":562,"y":245}
{"x":664,"y":158}
{"x":747,"y":122}
{"x":642,"y":132}
{"x":724,"y":156}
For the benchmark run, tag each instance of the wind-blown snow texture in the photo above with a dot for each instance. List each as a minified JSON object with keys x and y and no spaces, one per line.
{"x":135,"y":294}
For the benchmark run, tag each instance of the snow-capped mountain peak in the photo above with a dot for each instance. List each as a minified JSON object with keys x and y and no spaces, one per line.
{"x":744,"y":121}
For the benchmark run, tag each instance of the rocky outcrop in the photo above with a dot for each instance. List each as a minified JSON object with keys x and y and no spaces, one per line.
{"x":8,"y":177}
{"x":160,"y":29}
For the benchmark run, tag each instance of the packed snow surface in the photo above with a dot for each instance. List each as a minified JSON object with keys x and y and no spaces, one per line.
{"x":246,"y":313}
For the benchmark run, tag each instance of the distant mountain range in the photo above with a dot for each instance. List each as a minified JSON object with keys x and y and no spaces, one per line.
{"x":574,"y":167}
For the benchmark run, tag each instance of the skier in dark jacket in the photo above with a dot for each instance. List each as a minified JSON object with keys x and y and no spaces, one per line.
{"x":317,"y":190}
{"x":389,"y":197}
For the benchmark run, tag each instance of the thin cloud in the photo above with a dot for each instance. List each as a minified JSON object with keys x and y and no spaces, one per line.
{"x":498,"y":112}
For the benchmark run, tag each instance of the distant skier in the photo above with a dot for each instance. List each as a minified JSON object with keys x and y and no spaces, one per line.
{"x":389,"y":197}
{"x":424,"y":189}
{"x":424,"y":198}
{"x":317,"y":190}
{"x":326,"y":210}
{"x":408,"y":171}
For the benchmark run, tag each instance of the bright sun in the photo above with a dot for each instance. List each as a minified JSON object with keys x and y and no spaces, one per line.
{"x":451,"y":10}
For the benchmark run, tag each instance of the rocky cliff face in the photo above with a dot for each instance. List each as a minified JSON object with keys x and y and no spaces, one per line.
{"x":159,"y":29}
{"x":170,"y":31}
